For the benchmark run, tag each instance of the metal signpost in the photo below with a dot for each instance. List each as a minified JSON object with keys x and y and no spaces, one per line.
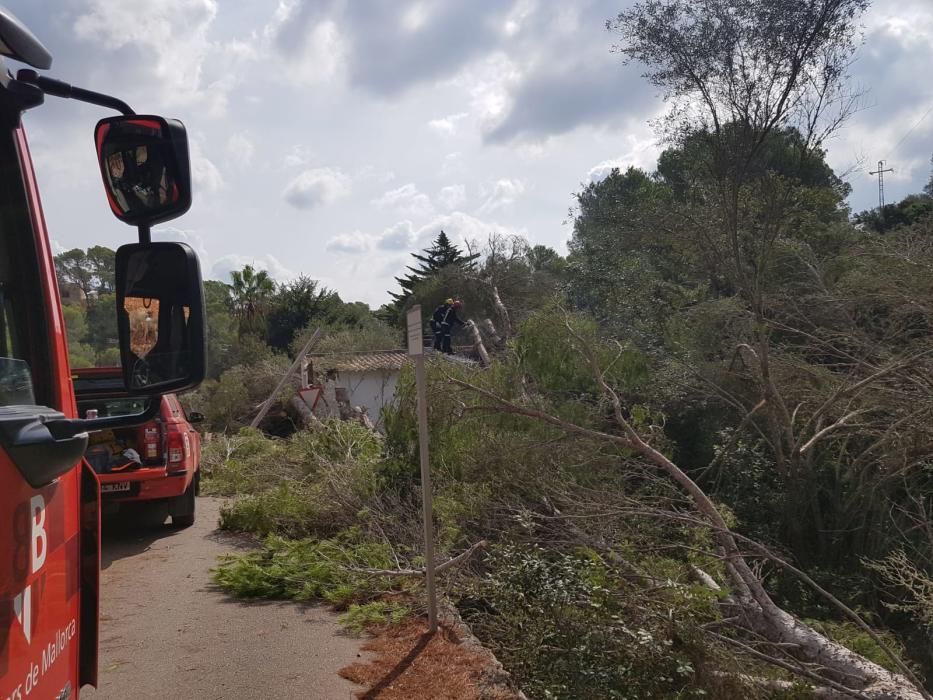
{"x":416,"y":350}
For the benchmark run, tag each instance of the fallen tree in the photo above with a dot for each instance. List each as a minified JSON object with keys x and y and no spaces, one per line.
{"x":760,"y":627}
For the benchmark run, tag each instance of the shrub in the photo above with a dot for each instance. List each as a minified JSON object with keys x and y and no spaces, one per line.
{"x":288,"y":509}
{"x":561,"y":624}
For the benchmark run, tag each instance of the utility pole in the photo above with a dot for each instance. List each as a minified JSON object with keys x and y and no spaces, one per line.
{"x":880,"y":173}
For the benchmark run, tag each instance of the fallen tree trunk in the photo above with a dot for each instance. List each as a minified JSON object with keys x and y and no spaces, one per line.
{"x":489,"y":328}
{"x":303,"y":415}
{"x":502,"y":311}
{"x":478,"y":346}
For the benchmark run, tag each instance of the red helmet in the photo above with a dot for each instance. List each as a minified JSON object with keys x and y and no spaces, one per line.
{"x":457,"y":303}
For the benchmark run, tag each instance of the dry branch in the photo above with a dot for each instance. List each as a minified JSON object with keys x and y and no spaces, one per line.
{"x":439,"y":569}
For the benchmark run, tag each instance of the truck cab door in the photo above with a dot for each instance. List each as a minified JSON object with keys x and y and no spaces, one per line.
{"x":41,"y":485}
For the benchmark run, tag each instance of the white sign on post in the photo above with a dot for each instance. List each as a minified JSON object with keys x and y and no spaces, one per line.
{"x":415,"y":332}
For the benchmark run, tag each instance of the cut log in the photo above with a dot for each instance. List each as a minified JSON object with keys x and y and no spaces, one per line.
{"x":502,"y":311}
{"x":489,"y":330}
{"x":478,"y":346}
{"x":303,"y":415}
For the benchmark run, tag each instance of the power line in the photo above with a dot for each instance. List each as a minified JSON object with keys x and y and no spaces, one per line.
{"x":910,"y":130}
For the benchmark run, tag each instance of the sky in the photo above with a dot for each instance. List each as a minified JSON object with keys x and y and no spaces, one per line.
{"x":332,"y":138}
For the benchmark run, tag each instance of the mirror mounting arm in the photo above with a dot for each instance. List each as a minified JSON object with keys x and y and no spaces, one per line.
{"x":59,"y":88}
{"x":145,"y":233}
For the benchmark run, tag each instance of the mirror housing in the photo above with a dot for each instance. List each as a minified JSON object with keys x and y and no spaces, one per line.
{"x":145,"y":167}
{"x":160,"y":317}
{"x":195,"y":417}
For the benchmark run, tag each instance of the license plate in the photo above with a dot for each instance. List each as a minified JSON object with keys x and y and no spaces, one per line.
{"x":115,"y":488}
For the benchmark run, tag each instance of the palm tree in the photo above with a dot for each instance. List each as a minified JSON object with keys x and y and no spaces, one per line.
{"x":250,"y":293}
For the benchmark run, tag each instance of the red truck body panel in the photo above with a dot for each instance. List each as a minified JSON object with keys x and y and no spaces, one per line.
{"x":44,"y":589}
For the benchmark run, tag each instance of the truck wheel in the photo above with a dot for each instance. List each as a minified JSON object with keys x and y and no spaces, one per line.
{"x":183,"y":507}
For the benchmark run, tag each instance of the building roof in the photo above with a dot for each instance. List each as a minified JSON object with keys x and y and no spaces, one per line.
{"x":379,"y":361}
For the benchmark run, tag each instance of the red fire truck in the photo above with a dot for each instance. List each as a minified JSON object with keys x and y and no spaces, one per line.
{"x":49,"y":496}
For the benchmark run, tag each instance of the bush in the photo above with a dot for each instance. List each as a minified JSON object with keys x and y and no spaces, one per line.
{"x":312,"y":483}
{"x":563,"y":627}
{"x":288,"y":509}
{"x":245,"y":463}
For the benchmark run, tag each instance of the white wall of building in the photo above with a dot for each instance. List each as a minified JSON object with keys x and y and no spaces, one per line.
{"x":371,"y":390}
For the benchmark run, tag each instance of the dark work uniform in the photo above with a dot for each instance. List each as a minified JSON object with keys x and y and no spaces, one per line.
{"x":447,"y":325}
{"x":436,"y":320}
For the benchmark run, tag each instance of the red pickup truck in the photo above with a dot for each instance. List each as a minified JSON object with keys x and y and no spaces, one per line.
{"x":156,"y":461}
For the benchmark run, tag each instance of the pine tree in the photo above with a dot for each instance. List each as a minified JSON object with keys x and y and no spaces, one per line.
{"x":441,"y":254}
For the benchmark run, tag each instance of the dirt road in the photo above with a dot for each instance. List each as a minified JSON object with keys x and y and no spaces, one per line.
{"x":167,"y":633}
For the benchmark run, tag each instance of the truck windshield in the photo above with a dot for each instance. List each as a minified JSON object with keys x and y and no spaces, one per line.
{"x":21,"y":331}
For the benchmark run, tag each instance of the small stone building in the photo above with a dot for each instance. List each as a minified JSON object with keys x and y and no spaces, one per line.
{"x":366,"y":380}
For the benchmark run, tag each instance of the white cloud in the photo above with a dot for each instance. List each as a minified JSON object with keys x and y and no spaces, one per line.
{"x":399,"y":236}
{"x":297,"y":157}
{"x":453,"y":164}
{"x":448,"y":125}
{"x":240,"y":150}
{"x":315,"y":51}
{"x":204,"y":173}
{"x":643,"y":153}
{"x":317,"y":187}
{"x":324,"y":55}
{"x":403,"y":235}
{"x":415,"y":17}
{"x":222,"y":268}
{"x":490,"y":84}
{"x":452,"y":196}
{"x":406,"y":200}
{"x":170,"y":38}
{"x":351,"y":243}
{"x":461,"y":228}
{"x":503,"y":194}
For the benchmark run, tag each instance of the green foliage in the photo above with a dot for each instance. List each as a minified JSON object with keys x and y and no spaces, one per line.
{"x":359,"y":333}
{"x":360,"y":618}
{"x":559,"y":625}
{"x":440,"y":255}
{"x":80,"y":354}
{"x":242,"y":463}
{"x":92,"y":333}
{"x":223,"y":349}
{"x":301,"y":303}
{"x":914,"y":208}
{"x":311,"y":483}
{"x":250,"y":293}
{"x":102,"y":323}
{"x":549,"y":348}
{"x":286,"y":509}
{"x":309,"y":569}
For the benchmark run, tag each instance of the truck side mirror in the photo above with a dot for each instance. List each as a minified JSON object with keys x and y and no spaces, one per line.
{"x":160,"y":317}
{"x":145,"y":167}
